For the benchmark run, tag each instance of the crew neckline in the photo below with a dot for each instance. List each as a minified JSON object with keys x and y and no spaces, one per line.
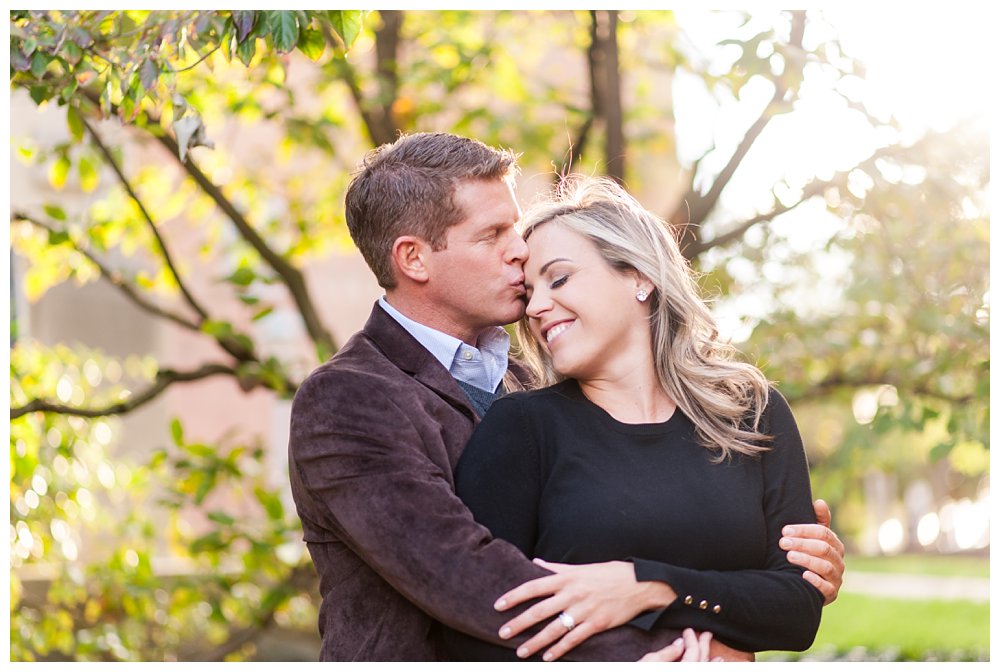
{"x":668,"y":426}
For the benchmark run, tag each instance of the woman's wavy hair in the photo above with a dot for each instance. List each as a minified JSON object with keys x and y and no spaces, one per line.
{"x":723,"y":398}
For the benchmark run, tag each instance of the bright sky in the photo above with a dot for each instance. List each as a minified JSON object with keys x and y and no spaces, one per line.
{"x":929,"y":65}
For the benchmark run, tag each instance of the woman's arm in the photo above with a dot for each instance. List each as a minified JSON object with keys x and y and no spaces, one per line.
{"x":755,"y":609}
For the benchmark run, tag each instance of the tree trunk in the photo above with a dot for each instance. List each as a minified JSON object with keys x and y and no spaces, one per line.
{"x":605,"y":86}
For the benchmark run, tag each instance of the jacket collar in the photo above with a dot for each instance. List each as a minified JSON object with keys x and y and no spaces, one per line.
{"x":409,"y":355}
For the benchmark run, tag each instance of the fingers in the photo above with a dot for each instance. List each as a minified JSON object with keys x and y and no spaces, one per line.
{"x":815,"y":555}
{"x":823,"y":515}
{"x":704,"y":642}
{"x":570,"y":640}
{"x":536,"y":613}
{"x":692,"y":647}
{"x":529,"y":590}
{"x":548,"y":634}
{"x":812,"y":531}
{"x":828,"y":590}
{"x":554,"y":566}
{"x":668,"y":654}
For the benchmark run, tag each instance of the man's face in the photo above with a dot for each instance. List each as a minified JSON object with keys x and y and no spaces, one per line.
{"x":477,"y":281}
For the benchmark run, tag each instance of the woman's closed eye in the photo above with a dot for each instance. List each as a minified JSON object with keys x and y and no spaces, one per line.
{"x":559,"y":282}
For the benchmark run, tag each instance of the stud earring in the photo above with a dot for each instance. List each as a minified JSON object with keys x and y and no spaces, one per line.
{"x":642,"y":295}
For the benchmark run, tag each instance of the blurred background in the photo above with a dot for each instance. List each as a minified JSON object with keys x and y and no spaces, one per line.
{"x":179,"y":262}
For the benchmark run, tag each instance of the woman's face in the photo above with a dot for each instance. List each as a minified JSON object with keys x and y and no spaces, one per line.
{"x":580,"y":309}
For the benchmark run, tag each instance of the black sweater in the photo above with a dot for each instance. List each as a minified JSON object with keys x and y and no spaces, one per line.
{"x":564,"y":481}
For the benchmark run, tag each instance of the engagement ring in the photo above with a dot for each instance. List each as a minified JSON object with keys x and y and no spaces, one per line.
{"x":567,"y":620}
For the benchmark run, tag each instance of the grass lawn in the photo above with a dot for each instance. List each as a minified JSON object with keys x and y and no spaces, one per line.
{"x":936,"y":565}
{"x":912,"y":628}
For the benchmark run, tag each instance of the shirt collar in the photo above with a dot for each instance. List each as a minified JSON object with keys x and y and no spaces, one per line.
{"x":494,"y":342}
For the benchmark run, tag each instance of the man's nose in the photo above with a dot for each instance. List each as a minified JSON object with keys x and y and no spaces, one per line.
{"x":517,"y":250}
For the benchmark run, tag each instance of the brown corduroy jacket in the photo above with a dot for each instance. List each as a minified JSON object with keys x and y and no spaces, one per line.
{"x":375,"y":434}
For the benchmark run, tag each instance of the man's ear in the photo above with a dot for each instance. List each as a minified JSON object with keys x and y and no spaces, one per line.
{"x":409,"y":257}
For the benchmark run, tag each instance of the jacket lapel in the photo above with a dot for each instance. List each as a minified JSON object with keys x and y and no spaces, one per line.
{"x":406,"y":352}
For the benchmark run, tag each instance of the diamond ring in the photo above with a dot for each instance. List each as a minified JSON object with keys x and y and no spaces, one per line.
{"x":567,"y":620}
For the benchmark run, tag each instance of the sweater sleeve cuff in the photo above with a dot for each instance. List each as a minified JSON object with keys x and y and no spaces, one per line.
{"x":648,"y":570}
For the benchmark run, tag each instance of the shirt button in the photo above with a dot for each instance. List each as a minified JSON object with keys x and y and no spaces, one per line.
{"x":703,"y":605}
{"x":717,"y":608}
{"x":467,"y":355}
{"x":688,"y":600}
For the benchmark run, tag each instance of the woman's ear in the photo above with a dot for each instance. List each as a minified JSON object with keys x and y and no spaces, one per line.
{"x":409,"y":258}
{"x":643,"y":286}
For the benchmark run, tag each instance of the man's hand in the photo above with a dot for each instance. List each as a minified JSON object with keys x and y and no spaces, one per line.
{"x":817,"y":548}
{"x":587,"y":598}
{"x":694,"y":648}
{"x":689,"y":648}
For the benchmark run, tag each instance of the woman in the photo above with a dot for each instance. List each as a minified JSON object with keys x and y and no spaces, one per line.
{"x":650,"y":445}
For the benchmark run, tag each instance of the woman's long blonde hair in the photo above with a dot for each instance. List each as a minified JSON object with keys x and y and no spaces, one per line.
{"x":723,"y":398}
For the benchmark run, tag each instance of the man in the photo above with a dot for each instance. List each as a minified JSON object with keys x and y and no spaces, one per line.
{"x":377,"y":430}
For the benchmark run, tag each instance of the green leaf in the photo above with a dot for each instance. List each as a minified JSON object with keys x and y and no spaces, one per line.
{"x":149,"y":73}
{"x":55,"y":212}
{"x":246,"y":50}
{"x":19,"y":60}
{"x":75,"y":123}
{"x":271,"y":503}
{"x":39,"y":62}
{"x":242,"y":276}
{"x":89,"y":177}
{"x":210,"y":542}
{"x":284,"y":29}
{"x":58,"y":237}
{"x":40,"y":94}
{"x":244,"y":341}
{"x":221,"y":518}
{"x":263,"y":313}
{"x":243,"y":20}
{"x":177,"y":432}
{"x":941,"y":450}
{"x":217,"y":328}
{"x":347,"y":23}
{"x":80,"y":36}
{"x":72,"y":52}
{"x":58,"y":172}
{"x":311,"y":43}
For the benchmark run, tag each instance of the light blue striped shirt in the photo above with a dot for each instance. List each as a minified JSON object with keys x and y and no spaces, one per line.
{"x":482,"y":367}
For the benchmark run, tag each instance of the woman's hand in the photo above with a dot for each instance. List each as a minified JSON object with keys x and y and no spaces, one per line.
{"x":582,"y":600}
{"x":689,"y":648}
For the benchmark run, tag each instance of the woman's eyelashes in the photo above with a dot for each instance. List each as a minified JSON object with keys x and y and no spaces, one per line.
{"x":559,"y":282}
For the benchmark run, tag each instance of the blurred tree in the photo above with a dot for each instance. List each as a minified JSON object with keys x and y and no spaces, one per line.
{"x":883,"y":311}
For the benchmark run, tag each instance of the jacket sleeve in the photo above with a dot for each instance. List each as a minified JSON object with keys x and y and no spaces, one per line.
{"x":759,"y":609}
{"x":367,"y":477}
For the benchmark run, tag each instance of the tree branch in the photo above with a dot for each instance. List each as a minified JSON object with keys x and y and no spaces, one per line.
{"x":301,"y":577}
{"x":379,"y":130}
{"x":145,"y":214}
{"x":164,"y":379}
{"x":291,"y":276}
{"x":695,"y":207}
{"x":814,"y":188}
{"x":387,"y":70}
{"x":871,"y":379}
{"x":605,"y":83}
{"x":113,"y":277}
